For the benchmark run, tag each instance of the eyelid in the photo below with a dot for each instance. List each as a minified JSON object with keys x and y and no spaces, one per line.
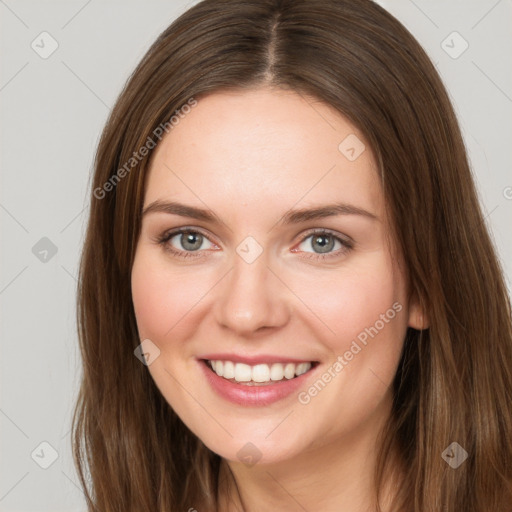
{"x":326,"y":231}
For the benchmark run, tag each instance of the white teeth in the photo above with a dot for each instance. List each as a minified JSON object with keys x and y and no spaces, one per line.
{"x":259,"y":373}
{"x":242,"y":372}
{"x":219,"y":367}
{"x":276,"y":371}
{"x":289,"y":371}
{"x":302,"y":368}
{"x":229,"y":370}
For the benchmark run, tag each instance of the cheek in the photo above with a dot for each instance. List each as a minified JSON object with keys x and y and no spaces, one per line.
{"x":352,"y":301}
{"x":364,"y":319}
{"x":163,"y":298}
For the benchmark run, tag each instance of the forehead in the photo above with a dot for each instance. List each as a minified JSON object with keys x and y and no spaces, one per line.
{"x":263,"y":147}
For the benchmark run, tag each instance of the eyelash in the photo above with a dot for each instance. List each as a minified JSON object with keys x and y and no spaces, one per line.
{"x":166,"y":237}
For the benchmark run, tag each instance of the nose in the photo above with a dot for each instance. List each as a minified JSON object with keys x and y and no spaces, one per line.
{"x":251,"y":299}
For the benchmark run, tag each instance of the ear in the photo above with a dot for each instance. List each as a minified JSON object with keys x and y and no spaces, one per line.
{"x":417,"y":316}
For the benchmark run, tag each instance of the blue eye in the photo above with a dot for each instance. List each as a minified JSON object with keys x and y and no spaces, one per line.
{"x":324,"y":244}
{"x":185,"y":242}
{"x":320,"y":244}
{"x":188,"y":241}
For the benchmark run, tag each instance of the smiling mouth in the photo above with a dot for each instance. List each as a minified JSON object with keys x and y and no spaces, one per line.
{"x":259,"y":374}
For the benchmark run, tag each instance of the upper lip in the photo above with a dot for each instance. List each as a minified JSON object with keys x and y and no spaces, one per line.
{"x":254,"y":360}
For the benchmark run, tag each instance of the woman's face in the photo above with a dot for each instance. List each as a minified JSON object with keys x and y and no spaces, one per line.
{"x":264,"y":287}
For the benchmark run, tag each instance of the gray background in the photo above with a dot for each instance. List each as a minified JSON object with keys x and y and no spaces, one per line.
{"x":52,"y":112}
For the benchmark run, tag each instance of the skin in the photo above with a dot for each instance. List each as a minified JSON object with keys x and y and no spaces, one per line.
{"x":249,"y":157}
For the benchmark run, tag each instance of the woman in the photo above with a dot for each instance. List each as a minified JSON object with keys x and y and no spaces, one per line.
{"x":288,"y":296}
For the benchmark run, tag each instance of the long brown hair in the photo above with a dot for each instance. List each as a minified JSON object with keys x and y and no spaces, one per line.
{"x":454,"y":382}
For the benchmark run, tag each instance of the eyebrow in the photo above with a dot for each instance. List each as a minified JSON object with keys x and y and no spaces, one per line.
{"x":290,"y":217}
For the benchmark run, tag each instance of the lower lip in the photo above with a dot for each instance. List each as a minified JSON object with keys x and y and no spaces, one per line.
{"x":252,"y":395}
